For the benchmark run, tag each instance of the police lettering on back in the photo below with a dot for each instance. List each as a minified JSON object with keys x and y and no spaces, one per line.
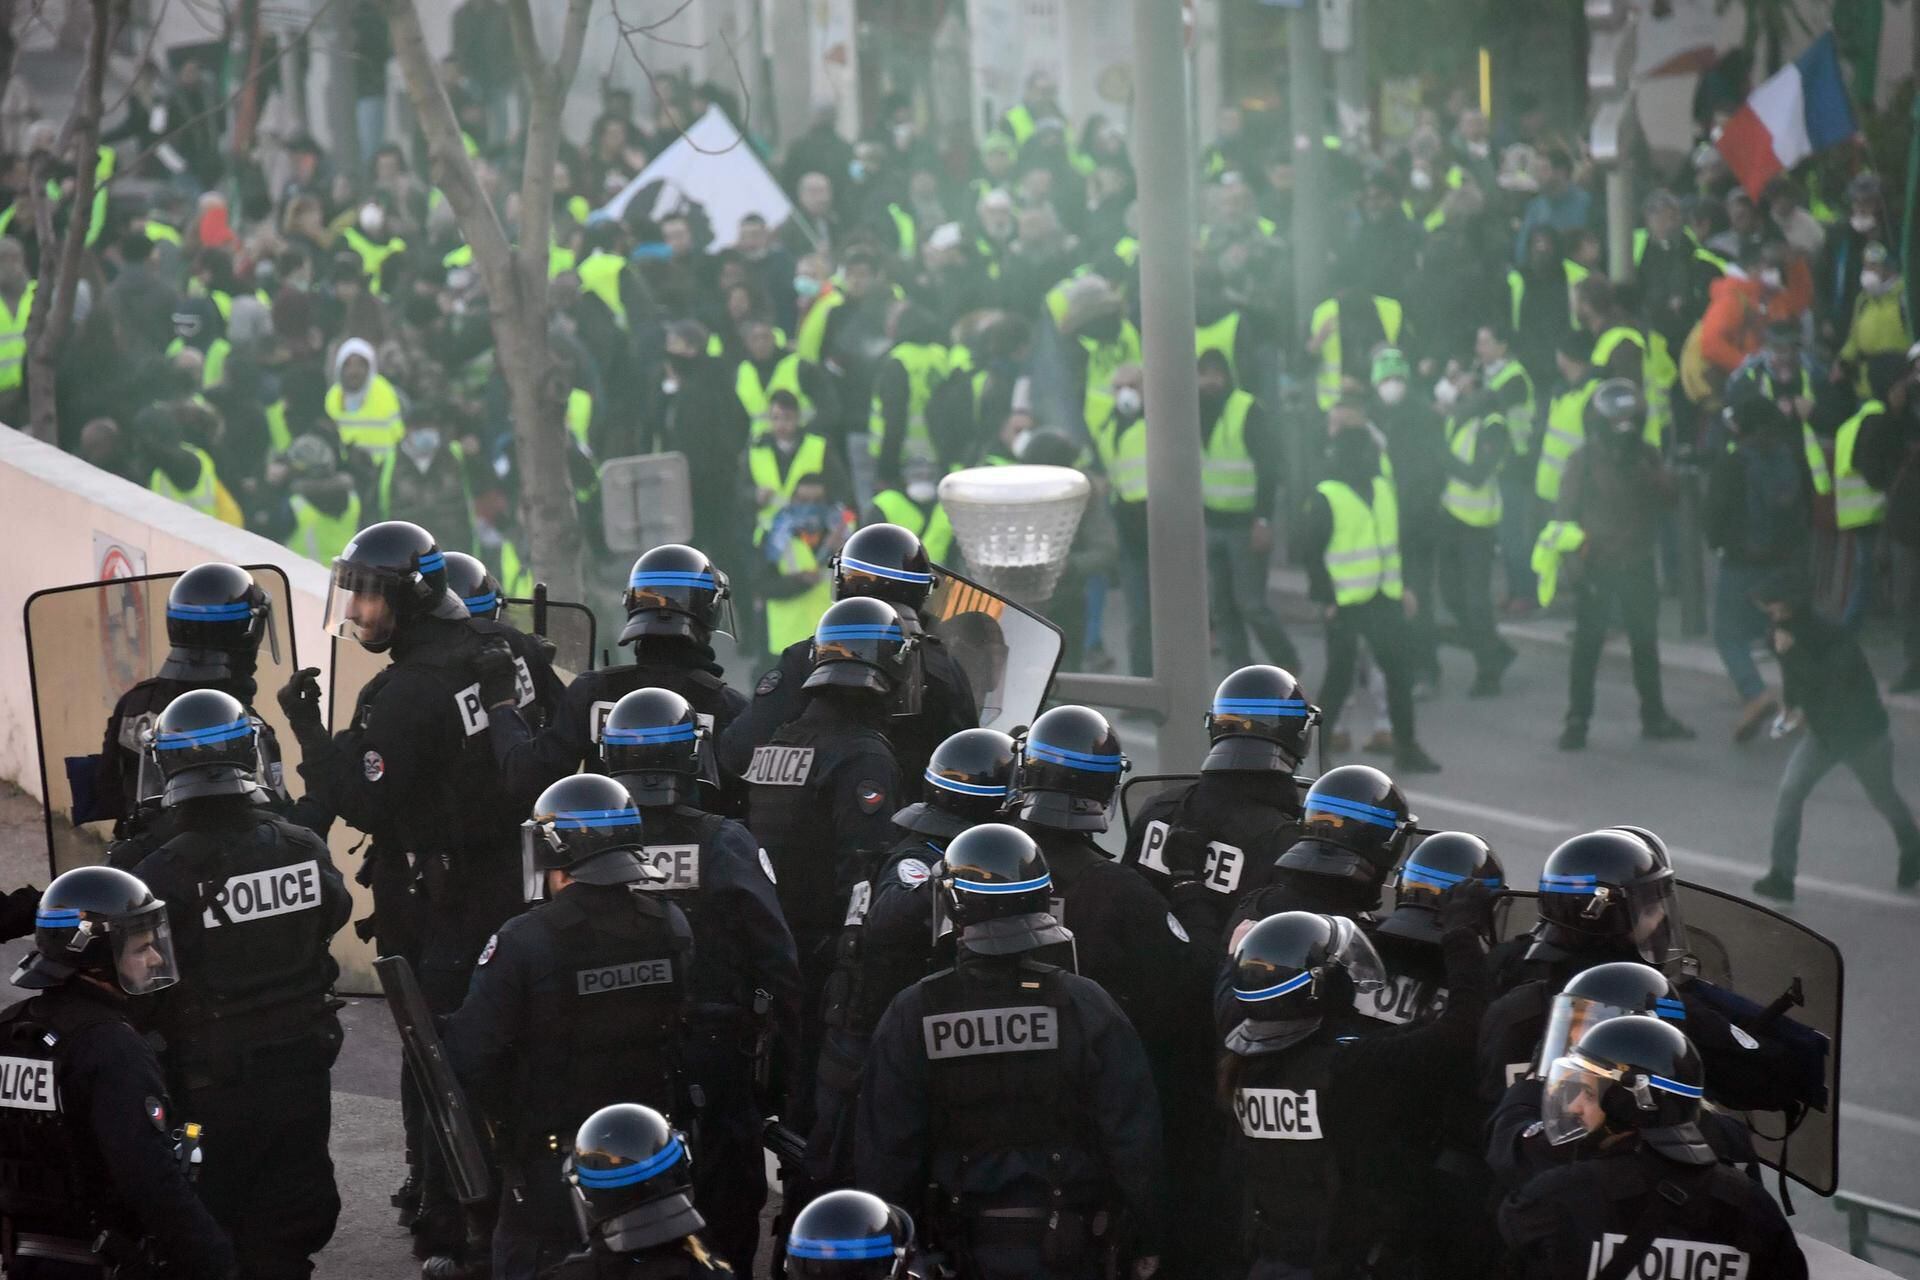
{"x":26,"y":1084}
{"x":260,"y":894}
{"x":680,"y":863}
{"x":1292,"y":1114}
{"x":982,"y":1031}
{"x":1220,"y":872}
{"x":624,"y":977}
{"x":1672,"y":1260}
{"x":473,"y":708}
{"x":780,"y":766}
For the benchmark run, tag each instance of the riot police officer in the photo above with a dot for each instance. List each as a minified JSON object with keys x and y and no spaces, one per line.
{"x":1016,"y":1088}
{"x":1354,"y":827}
{"x":414,"y":771}
{"x":880,"y":562}
{"x":217,"y":617}
{"x":853,"y":1235}
{"x":676,"y":599}
{"x":250,"y":1031}
{"x":886,"y":943}
{"x":1206,"y":844}
{"x":91,"y":1147}
{"x":745,"y":977}
{"x":632,"y":1192}
{"x":1322,"y":1112}
{"x":475,"y":584}
{"x":1628,"y":1094}
{"x":1408,"y":937}
{"x":574,"y":1004}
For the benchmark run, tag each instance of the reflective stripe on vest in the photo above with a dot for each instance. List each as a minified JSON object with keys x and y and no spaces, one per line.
{"x":1228,"y":482}
{"x":319,"y":536}
{"x":1477,"y":505}
{"x":1327,"y":382}
{"x":1125,"y":459}
{"x":1856,"y":504}
{"x":754,"y":394}
{"x":934,"y":531}
{"x":926,"y":365}
{"x":763,"y":467}
{"x":13,"y":338}
{"x":376,"y":425}
{"x":1566,"y":431}
{"x":1816,"y":461}
{"x":1363,"y":555}
{"x":204,"y":497}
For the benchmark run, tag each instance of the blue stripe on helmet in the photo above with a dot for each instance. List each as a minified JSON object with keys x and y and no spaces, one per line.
{"x":1670,"y":1009}
{"x":432,"y":562}
{"x":642,"y":737}
{"x":628,"y":1174}
{"x":579,"y":819}
{"x":235,"y":612}
{"x":56,"y":917}
{"x":1366,"y":813}
{"x":1568,"y":884}
{"x":1675,"y":1086}
{"x":671,"y":578}
{"x":1050,"y":754}
{"x":860,"y":631}
{"x":1292,"y":984}
{"x":964,"y":788}
{"x":1041,"y":881}
{"x":1430,"y":875}
{"x":820,"y":1250}
{"x":485,"y":602}
{"x":882,"y":571}
{"x":186,"y":739}
{"x":1260,"y":707}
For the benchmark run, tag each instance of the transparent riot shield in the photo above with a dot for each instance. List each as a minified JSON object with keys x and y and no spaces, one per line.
{"x":645,"y":501}
{"x":1008,"y":652}
{"x":1778,"y":982}
{"x":88,"y":643}
{"x":1142,"y":793}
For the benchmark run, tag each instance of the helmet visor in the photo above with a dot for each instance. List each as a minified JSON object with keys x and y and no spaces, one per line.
{"x":143,"y":951}
{"x":361,"y":606}
{"x":1353,"y":952}
{"x":1659,"y":934}
{"x":1572,"y":1017}
{"x":537,"y":847}
{"x":1570,"y":1105}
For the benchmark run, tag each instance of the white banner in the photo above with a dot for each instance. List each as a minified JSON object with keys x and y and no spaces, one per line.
{"x":711,"y":165}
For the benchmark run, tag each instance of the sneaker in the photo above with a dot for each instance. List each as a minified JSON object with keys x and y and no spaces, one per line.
{"x":1414,"y":760}
{"x":1380,"y":744}
{"x":1754,"y":715}
{"x":1666,"y":729}
{"x":1574,"y":736}
{"x":1908,"y":682}
{"x":1774,"y":885}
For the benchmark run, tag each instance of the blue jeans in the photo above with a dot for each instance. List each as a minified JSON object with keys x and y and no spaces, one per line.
{"x":1737,"y":623}
{"x":1860,"y":581}
{"x":1812,"y":759}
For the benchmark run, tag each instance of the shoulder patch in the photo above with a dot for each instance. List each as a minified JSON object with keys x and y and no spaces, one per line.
{"x":486,"y":953}
{"x":768,"y":683}
{"x":766,"y":865}
{"x":373,"y":766}
{"x":156,"y":1113}
{"x":1176,"y":928}
{"x":870,"y":795}
{"x":912,"y":872}
{"x":1744,"y":1040}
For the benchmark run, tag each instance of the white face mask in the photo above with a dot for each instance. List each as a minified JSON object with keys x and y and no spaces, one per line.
{"x":1871,"y":281}
{"x":1770,"y":277}
{"x":1394,"y":390}
{"x":1445,"y":393}
{"x":1127,"y":401}
{"x":922,"y":491}
{"x":1421,"y":180}
{"x":669,"y":385}
{"x":1862,"y":222}
{"x":373,"y":219}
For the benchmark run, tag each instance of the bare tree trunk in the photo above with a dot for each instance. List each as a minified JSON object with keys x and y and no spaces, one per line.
{"x":515,"y":278}
{"x":53,"y":302}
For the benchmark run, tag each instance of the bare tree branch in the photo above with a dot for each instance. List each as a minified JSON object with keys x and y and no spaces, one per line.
{"x":650,"y":31}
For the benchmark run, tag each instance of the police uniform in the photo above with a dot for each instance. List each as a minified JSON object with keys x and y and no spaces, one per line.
{"x":87,"y":1150}
{"x":117,"y":781}
{"x":574,"y":1004}
{"x":1227,"y":830}
{"x":250,"y":1033}
{"x":1698,"y":1222}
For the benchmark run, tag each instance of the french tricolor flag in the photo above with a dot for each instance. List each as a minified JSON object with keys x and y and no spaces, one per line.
{"x":1801,"y":109}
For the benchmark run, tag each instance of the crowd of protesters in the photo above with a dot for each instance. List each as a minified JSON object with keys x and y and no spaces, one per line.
{"x":307,"y":354}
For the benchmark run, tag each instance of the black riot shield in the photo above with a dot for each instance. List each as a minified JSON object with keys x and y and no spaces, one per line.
{"x":1780,"y":983}
{"x":88,"y":643}
{"x":1008,"y":652}
{"x":454,"y":1123}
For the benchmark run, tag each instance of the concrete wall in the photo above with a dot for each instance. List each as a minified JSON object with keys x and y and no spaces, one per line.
{"x":61,"y":515}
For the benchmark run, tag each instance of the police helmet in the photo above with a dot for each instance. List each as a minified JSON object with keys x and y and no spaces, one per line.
{"x":204,"y":745}
{"x":1630,"y":1074}
{"x":886,"y":562}
{"x":1293,"y":969}
{"x":216,"y":617}
{"x":651,"y":743}
{"x":1259,"y":722}
{"x":632,"y":1179}
{"x":1069,"y":770}
{"x":390,"y":574}
{"x":1616,"y":408}
{"x":476,"y":586}
{"x":674,"y":590}
{"x":588,"y":826}
{"x":100,"y":921}
{"x":1610,"y":887}
{"x":1606,"y":991}
{"x":850,"y":1234}
{"x":1356,"y":824}
{"x":862,"y":643}
{"x":1421,"y":881}
{"x":968,"y":778}
{"x":998,"y":891}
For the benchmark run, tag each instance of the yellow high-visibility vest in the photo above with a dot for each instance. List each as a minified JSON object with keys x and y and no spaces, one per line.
{"x":1219,"y":336}
{"x":1228,"y":481}
{"x":204,"y":497}
{"x":600,"y":276}
{"x":754,"y":394}
{"x":935,"y":531}
{"x":793,"y":619}
{"x":926,"y":365}
{"x":13,"y":338}
{"x":319,"y":536}
{"x":1327,"y":381}
{"x":1566,"y":431}
{"x":1476,"y":505}
{"x":763,"y":468}
{"x":1856,"y":504}
{"x":1122,"y":448}
{"x":376,"y":425}
{"x":1363,"y":556}
{"x":1519,"y":416}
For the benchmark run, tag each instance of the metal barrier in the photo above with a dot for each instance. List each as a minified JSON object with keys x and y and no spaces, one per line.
{"x":1861,"y":1210}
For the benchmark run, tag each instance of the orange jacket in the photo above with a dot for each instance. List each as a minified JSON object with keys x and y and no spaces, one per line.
{"x":1735,"y":324}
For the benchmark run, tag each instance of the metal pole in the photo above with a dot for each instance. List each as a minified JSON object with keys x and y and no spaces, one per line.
{"x":1350,"y":68}
{"x":1620,"y":219}
{"x":1306,"y":109}
{"x":1176,"y":534}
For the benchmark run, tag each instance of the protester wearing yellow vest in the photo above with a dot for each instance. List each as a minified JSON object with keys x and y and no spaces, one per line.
{"x":1239,"y":484}
{"x":1479,"y":442}
{"x":600,"y":274}
{"x":1509,"y":387}
{"x":912,"y":371}
{"x":204,"y":492}
{"x":1778,"y":375}
{"x":1346,"y":328}
{"x":767,"y":369}
{"x":319,"y":536}
{"x":367,"y":237}
{"x":1351,"y":541}
{"x":1858,"y":509}
{"x":1223,"y":335}
{"x":424,"y":480}
{"x":1566,"y":418}
{"x":16,"y":308}
{"x":323,"y":507}
{"x":800,"y":587}
{"x":784,"y":456}
{"x":364,"y":406}
{"x":916,"y":508}
{"x":1120,"y":444}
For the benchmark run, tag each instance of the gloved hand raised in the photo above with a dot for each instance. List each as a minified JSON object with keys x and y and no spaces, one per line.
{"x":1468,"y":905}
{"x":498,"y":672}
{"x":300,"y":701}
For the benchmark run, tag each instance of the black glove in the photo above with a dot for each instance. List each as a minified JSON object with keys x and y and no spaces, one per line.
{"x":1468,"y":905}
{"x":499,"y":674}
{"x":546,"y":647}
{"x":300,"y":701}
